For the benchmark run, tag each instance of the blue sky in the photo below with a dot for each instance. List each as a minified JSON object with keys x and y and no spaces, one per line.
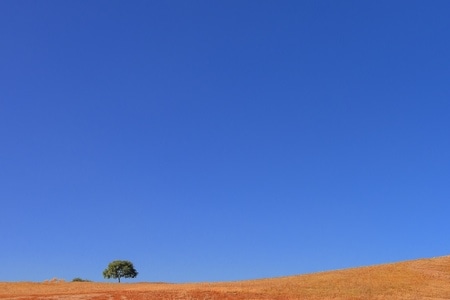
{"x":222,"y":140}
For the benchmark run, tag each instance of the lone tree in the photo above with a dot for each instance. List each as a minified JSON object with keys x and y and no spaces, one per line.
{"x":120,"y":268}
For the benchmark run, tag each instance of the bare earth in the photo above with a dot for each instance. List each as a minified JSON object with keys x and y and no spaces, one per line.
{"x":419,"y":279}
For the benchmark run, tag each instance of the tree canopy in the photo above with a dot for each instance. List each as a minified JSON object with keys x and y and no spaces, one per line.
{"x":120,"y":268}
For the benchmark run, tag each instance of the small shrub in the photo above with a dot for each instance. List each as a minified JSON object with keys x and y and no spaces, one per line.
{"x":54,"y":280}
{"x":78,"y":279}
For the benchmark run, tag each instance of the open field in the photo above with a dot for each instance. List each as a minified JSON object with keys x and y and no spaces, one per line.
{"x":418,"y":279}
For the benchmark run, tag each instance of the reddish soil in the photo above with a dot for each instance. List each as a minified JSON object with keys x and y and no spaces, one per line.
{"x":419,"y":279}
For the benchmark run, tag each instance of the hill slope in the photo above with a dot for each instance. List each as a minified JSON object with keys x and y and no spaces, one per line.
{"x":418,"y":279}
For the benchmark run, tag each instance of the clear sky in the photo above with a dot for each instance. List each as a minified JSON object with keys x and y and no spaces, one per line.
{"x":222,"y":140}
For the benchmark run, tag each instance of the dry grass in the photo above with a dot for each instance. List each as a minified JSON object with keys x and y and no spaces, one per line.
{"x":419,"y":279}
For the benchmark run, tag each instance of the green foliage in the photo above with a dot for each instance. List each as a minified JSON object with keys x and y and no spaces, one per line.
{"x":120,"y":268}
{"x":78,"y":279}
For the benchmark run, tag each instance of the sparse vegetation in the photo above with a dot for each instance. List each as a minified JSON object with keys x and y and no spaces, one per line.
{"x":54,"y":280}
{"x":78,"y":279}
